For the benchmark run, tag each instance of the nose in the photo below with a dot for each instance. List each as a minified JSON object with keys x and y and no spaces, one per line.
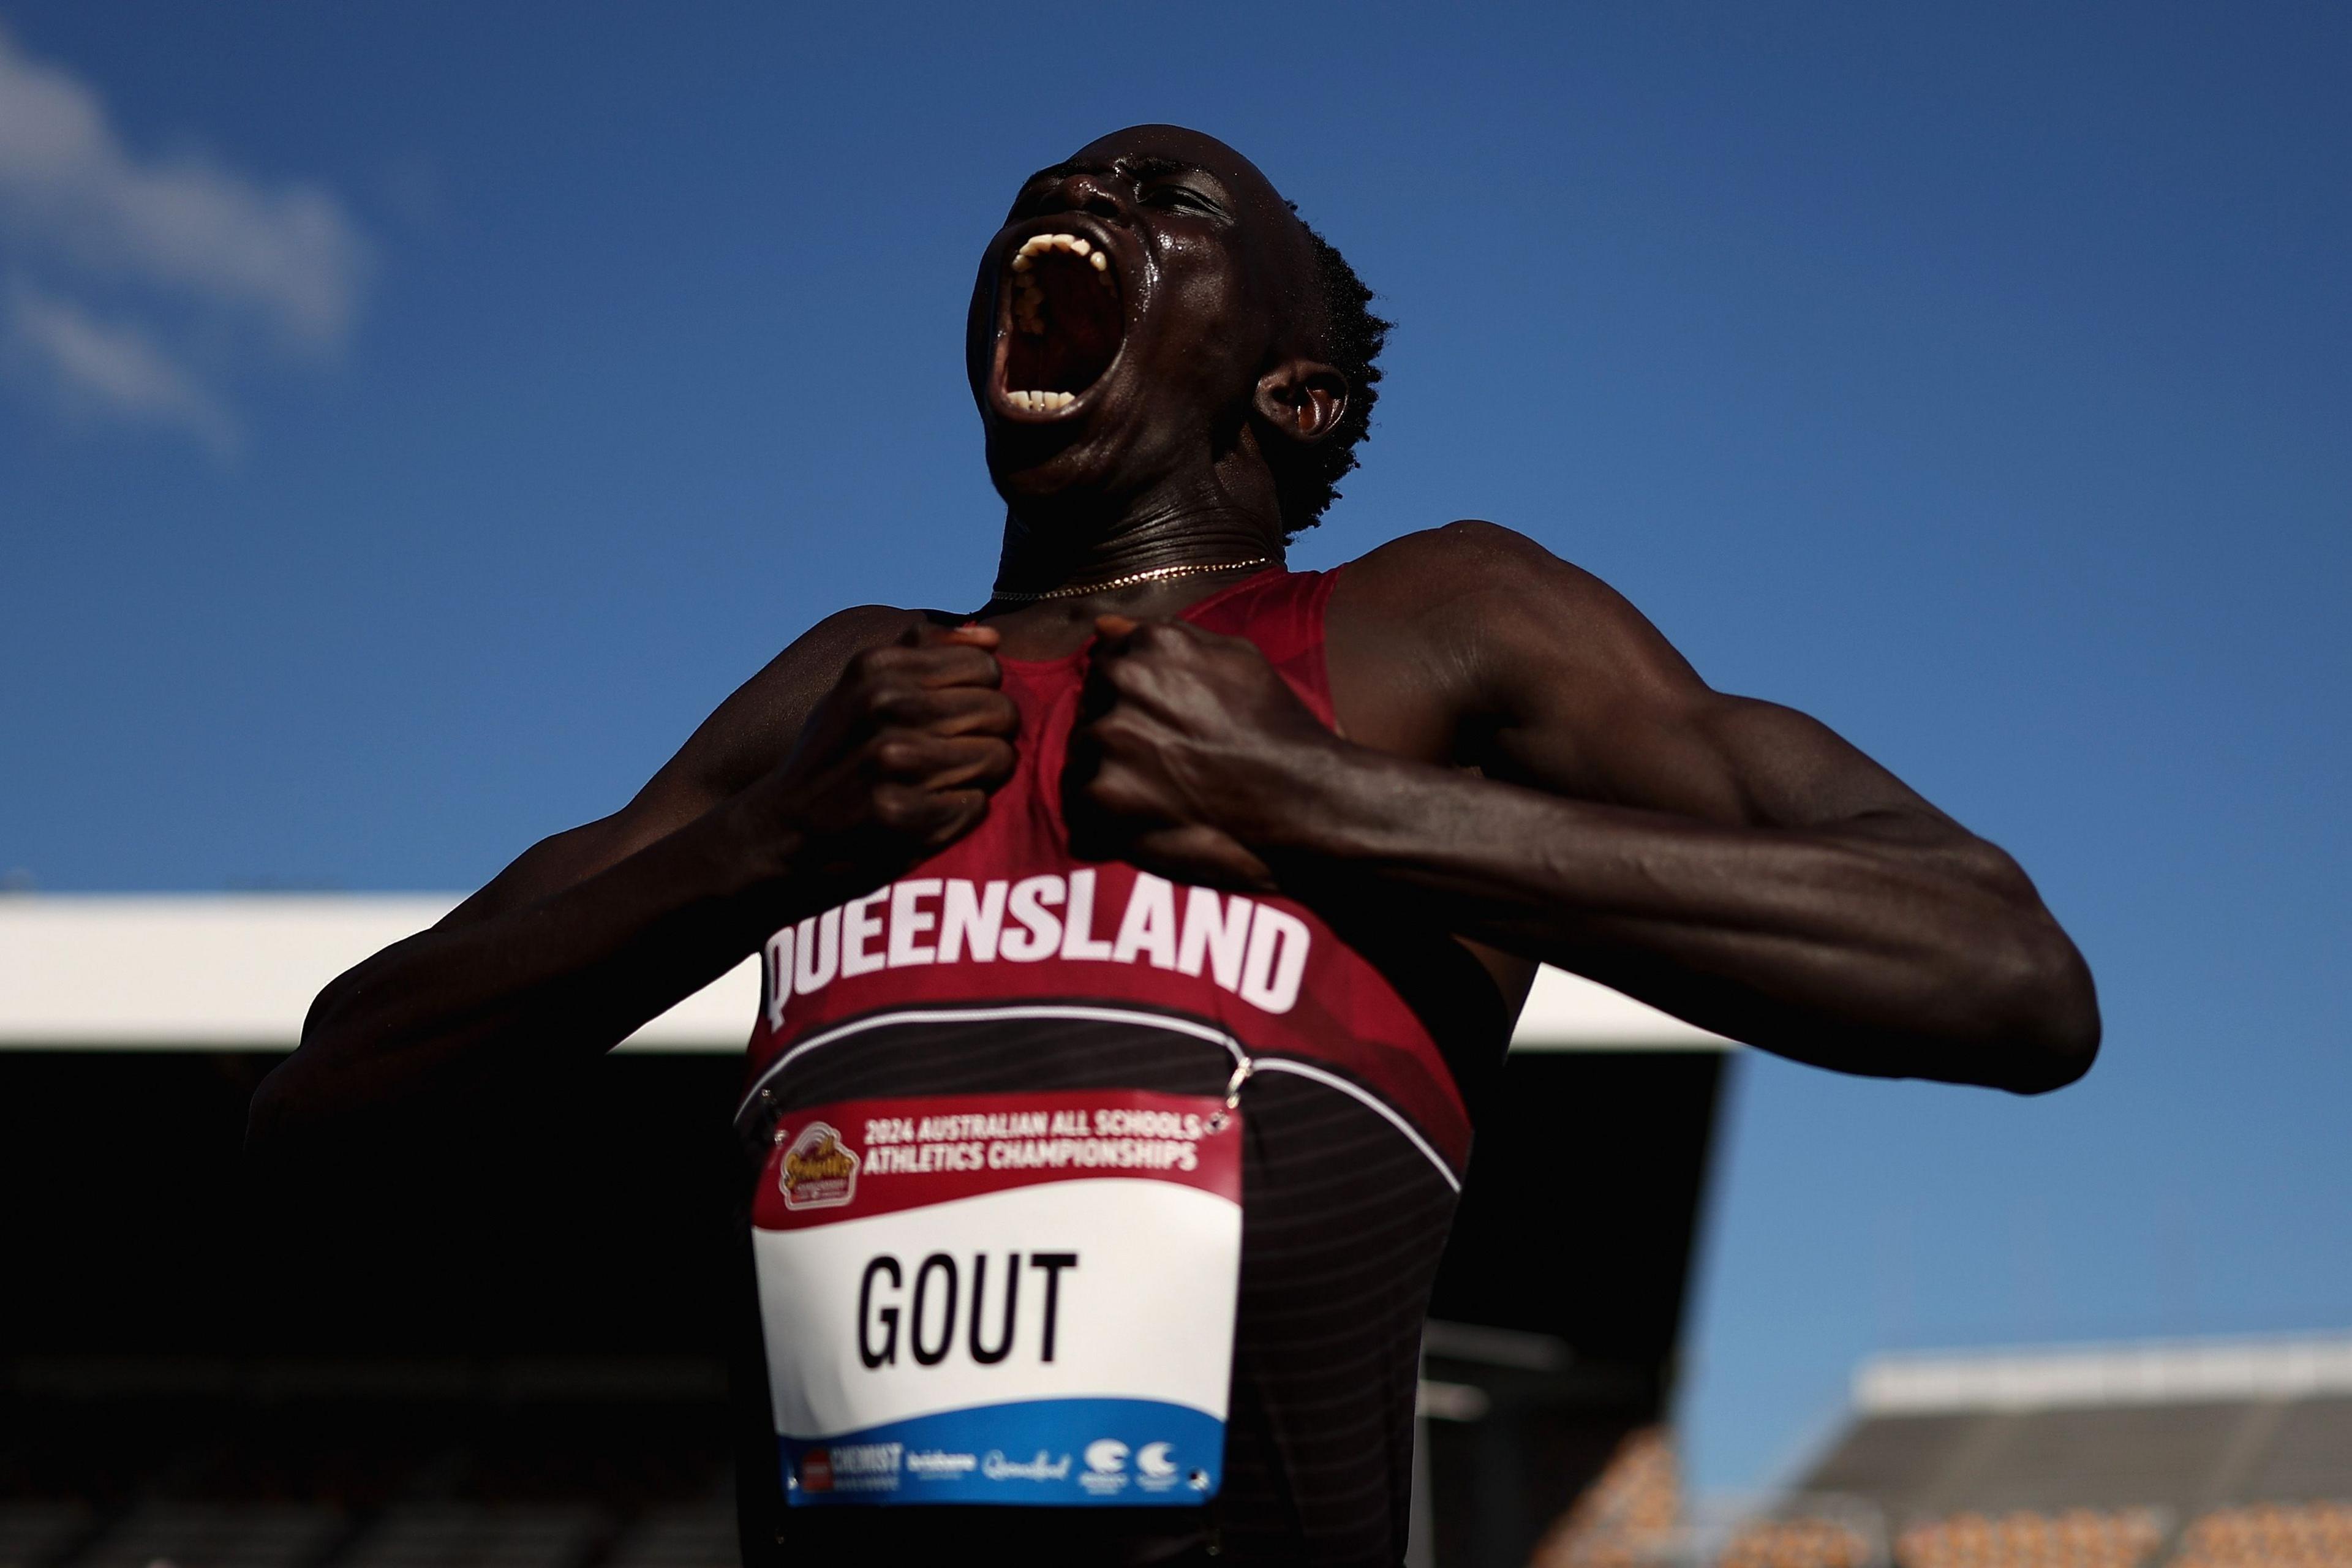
{"x":1095,"y":194}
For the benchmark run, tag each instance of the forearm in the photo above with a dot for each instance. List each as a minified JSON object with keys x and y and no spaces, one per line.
{"x":579,"y":943}
{"x":455,"y":1010}
{"x":1895,"y":946}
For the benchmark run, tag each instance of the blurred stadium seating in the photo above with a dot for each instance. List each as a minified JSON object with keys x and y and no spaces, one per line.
{"x":2078,"y":1538}
{"x":2271,"y":1535}
{"x":2193,"y":1455}
{"x":2203,"y":1454}
{"x":1627,"y":1517}
{"x":1800,"y":1542}
{"x":126,"y":1464}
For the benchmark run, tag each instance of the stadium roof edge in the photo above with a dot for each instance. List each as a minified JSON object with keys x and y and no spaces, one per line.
{"x":237,"y":970}
{"x":2160,"y":1372}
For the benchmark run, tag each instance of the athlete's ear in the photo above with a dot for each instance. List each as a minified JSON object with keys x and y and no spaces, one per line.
{"x":1303,"y":399}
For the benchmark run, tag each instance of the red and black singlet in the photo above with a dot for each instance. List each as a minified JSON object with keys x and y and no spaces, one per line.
{"x":1005,"y":963}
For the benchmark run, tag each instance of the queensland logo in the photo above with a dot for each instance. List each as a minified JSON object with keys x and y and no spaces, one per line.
{"x":818,"y":1171}
{"x":997,"y":1467}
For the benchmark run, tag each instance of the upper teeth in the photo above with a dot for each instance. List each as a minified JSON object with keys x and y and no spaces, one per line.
{"x":1028,"y":299}
{"x":1039,"y":244}
{"x":1029,"y":305}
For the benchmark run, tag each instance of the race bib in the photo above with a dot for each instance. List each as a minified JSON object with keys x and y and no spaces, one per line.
{"x":1022,"y":1299}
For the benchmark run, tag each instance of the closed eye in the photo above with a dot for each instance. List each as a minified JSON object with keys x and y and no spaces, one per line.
{"x":1179,"y":198}
{"x":1153,"y":188}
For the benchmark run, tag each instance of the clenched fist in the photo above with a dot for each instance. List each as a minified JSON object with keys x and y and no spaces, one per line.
{"x":899,"y":758}
{"x":1189,"y":748}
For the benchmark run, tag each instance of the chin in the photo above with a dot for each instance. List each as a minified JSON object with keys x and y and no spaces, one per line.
{"x":1053,"y":362}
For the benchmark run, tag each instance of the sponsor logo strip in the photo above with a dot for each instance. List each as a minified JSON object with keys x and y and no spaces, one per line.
{"x":1050,"y":1453}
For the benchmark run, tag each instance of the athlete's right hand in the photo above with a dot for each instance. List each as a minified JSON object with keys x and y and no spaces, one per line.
{"x":899,"y":757}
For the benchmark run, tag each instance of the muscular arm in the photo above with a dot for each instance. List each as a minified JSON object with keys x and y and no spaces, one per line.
{"x":593,"y":932}
{"x":1732,"y":862}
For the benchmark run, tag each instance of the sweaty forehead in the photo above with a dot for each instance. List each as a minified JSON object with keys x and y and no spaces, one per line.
{"x":1194,"y":149}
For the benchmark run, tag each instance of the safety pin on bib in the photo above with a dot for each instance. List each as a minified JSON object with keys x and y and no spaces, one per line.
{"x":1218,"y":1119}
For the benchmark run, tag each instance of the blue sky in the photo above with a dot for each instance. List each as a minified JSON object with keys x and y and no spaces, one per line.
{"x":413,"y":418}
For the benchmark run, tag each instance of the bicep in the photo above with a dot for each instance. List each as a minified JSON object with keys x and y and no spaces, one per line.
{"x":1573,"y":690}
{"x":1699,"y":753}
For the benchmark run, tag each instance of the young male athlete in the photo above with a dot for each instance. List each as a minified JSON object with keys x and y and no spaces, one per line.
{"x":1138,"y":951}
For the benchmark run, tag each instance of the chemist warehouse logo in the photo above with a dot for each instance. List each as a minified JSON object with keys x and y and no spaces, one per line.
{"x":818,"y":1171}
{"x":1251,"y":949}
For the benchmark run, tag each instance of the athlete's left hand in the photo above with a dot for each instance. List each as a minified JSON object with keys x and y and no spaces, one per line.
{"x":1188,"y":748}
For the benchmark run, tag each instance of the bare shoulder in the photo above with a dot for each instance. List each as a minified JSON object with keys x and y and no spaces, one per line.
{"x":1544,"y":675}
{"x":1488,"y":609}
{"x":1463,"y":556}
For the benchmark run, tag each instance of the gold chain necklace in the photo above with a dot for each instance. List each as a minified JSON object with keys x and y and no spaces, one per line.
{"x":1156,"y":575}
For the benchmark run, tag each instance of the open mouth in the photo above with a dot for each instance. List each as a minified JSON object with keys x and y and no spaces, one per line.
{"x":1061,"y":323}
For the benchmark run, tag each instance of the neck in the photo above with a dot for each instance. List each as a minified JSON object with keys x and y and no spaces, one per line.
{"x":1192,"y":529}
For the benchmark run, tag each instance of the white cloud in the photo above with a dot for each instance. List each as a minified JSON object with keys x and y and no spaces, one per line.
{"x":110,"y":368}
{"x":200,"y":252}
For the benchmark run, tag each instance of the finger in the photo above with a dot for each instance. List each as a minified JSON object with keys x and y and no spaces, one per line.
{"x":971,"y":634}
{"x":1117,"y":791}
{"x":927,"y":817}
{"x":1123,"y":645}
{"x":928,"y":663}
{"x":935,"y":636}
{"x":948,"y":664}
{"x":1097,"y":695}
{"x":931,"y":634}
{"x":976,"y":762}
{"x":938,"y":762}
{"x":1144,"y":634}
{"x":913,"y":811}
{"x":1193,"y":853}
{"x":947,"y":710}
{"x":973,"y":711}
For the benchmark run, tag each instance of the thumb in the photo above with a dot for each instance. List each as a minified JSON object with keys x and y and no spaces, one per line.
{"x":971,"y":634}
{"x":929,"y":633}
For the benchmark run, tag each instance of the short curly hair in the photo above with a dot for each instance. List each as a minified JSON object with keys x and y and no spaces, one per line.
{"x":1307,"y":475}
